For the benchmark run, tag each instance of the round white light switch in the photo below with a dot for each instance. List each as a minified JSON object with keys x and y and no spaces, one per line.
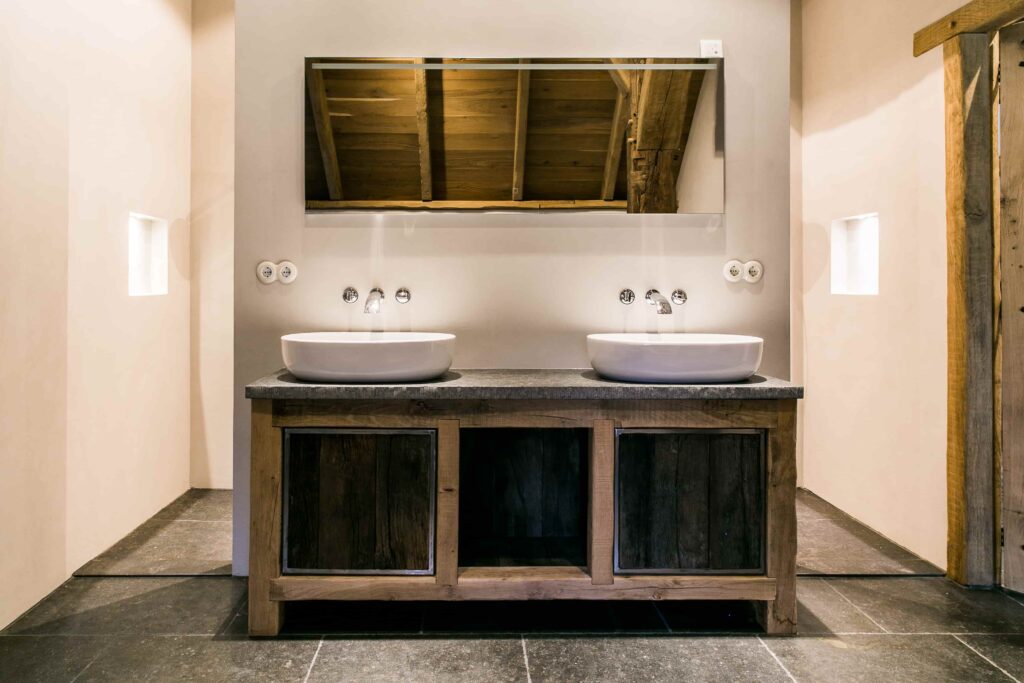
{"x":287,"y":272}
{"x":733,"y":271}
{"x":752,"y":271}
{"x":266,"y":272}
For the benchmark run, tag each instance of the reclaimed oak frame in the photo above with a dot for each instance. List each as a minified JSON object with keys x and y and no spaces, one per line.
{"x":775,"y":590}
{"x":983,"y":65}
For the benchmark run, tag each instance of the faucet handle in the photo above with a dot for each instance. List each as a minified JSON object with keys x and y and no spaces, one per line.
{"x":350,"y":295}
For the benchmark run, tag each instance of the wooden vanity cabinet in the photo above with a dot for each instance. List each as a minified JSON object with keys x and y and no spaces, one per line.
{"x":423,"y":498}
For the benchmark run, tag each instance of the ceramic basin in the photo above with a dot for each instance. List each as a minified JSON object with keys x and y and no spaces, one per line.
{"x":367,"y":357}
{"x":675,"y":358}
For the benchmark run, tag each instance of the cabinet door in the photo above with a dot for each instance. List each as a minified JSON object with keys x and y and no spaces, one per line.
{"x":689,"y":502}
{"x":359,"y":501}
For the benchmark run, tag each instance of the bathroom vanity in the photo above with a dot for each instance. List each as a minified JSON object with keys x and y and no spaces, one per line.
{"x":522,"y":485}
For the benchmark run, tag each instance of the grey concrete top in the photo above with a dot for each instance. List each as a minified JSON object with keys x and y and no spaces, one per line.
{"x":497,"y":385}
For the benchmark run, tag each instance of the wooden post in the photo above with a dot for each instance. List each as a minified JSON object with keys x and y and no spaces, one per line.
{"x":324,"y":131}
{"x":1011,"y":233}
{"x":423,"y":131}
{"x":970,"y":303}
{"x":616,"y":141}
{"x":447,"y":560}
{"x":601,"y":524}
{"x":778,"y":616}
{"x":522,"y":114}
{"x":265,"y":521}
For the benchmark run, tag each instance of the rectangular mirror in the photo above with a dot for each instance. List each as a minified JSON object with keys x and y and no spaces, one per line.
{"x":625,"y":135}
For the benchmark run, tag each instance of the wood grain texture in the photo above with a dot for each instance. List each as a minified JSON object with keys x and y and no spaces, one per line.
{"x":324,"y":131}
{"x":969,"y":229}
{"x":778,"y":616}
{"x":447,"y":560}
{"x":978,"y":16}
{"x":689,"y":414}
{"x":468,"y":205}
{"x":616,"y":145}
{"x":1011,"y":237}
{"x":423,"y":133}
{"x":690,"y":502}
{"x":264,"y":521}
{"x":522,"y":118}
{"x":540,"y":584}
{"x":371,"y":502}
{"x":601,"y":524}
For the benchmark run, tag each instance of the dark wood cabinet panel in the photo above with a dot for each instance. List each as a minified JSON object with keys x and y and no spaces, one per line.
{"x":689,"y":502}
{"x":523,"y":497}
{"x":359,"y":501}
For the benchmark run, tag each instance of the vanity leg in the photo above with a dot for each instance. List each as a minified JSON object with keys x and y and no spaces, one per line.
{"x":602,"y":496}
{"x":265,"y":521}
{"x":778,"y":616}
{"x":447,"y":564}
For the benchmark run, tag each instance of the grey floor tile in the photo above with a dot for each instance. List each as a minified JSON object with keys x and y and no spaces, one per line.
{"x":1006,"y":652}
{"x":209,"y":505}
{"x":134,"y":606}
{"x":199,"y":658}
{"x":822,"y":610}
{"x":163,"y":547}
{"x":924,"y":605}
{"x":890,"y":658}
{"x":830,"y":542}
{"x":48,"y":659}
{"x":421,"y":660}
{"x":651,"y":659}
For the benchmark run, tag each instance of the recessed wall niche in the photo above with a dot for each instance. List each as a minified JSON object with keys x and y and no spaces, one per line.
{"x":854,"y":255}
{"x":147,"y":255}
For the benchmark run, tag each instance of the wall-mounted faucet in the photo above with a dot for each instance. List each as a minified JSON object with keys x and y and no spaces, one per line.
{"x":373,"y":300}
{"x":376,"y":296}
{"x":655,"y":298}
{"x":661,"y":304}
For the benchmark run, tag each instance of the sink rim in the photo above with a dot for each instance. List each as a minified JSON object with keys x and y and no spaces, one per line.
{"x":673,"y":338}
{"x":367,"y":338}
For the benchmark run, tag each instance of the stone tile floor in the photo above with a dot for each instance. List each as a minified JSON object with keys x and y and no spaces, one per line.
{"x":192,"y":536}
{"x":189,"y":629}
{"x":150,"y":625}
{"x":832,"y":543}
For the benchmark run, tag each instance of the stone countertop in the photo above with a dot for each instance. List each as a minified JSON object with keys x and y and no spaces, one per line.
{"x":496,"y":385}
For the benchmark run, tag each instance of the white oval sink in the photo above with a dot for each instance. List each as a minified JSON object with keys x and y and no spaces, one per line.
{"x":367,"y":357}
{"x":675,"y":358}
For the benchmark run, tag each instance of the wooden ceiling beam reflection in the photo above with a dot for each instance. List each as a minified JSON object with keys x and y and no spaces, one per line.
{"x":616,"y":140}
{"x":658,"y":119}
{"x":324,"y":132}
{"x":620,"y":76}
{"x":522,"y":113}
{"x":979,"y":16}
{"x":423,"y":132}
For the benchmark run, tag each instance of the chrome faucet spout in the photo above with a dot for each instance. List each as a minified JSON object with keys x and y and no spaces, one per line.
{"x":655,"y":298}
{"x":373,"y":300}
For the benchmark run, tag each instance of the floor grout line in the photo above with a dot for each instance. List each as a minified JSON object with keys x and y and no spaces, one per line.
{"x":972,"y":649}
{"x":526,"y":658}
{"x":856,"y":607}
{"x":776,"y":658}
{"x":661,"y":616}
{"x":91,"y":662}
{"x":312,"y":662}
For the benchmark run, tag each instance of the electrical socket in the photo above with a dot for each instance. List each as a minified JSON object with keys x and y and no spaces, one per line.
{"x":711,"y":49}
